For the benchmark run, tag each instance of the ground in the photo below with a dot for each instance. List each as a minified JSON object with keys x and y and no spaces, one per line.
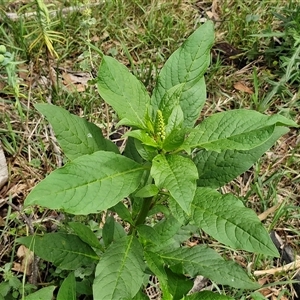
{"x":255,"y":63}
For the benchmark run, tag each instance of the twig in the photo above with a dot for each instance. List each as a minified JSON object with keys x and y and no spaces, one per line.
{"x":23,"y":216}
{"x":291,"y":266}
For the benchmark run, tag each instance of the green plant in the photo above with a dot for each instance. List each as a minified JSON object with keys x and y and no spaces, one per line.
{"x":7,"y":61}
{"x":41,"y":30}
{"x":168,"y":166}
{"x":11,"y":286}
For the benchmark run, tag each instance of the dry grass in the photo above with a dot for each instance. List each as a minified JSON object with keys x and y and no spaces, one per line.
{"x":142,"y":35}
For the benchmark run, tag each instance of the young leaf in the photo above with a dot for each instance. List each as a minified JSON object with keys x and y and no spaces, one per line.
{"x":45,"y":293}
{"x":170,"y":99}
{"x":178,"y":212}
{"x":68,"y":288}
{"x":148,"y":236}
{"x":175,"y":134}
{"x":120,"y":272}
{"x":75,"y":135}
{"x":85,"y":286}
{"x":216,"y":169}
{"x":112,"y":231}
{"x":207,"y":295}
{"x":122,"y":90}
{"x":156,"y":265}
{"x":59,"y":248}
{"x":175,"y":119}
{"x":131,"y":152}
{"x":165,"y":235}
{"x":201,"y":260}
{"x":178,"y":174}
{"x":85,"y":234}
{"x":239,"y":129}
{"x":123,"y":212}
{"x":146,"y":152}
{"x":166,"y":230}
{"x":139,"y":296}
{"x":147,"y":191}
{"x":142,"y":136}
{"x":88,"y":184}
{"x":179,"y":285}
{"x":226,"y":219}
{"x":187,"y":66}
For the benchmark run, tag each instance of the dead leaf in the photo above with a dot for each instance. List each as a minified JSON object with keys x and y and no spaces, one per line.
{"x":25,"y":260}
{"x":265,"y":292}
{"x":76,"y":82}
{"x":2,"y":222}
{"x":240,"y":86}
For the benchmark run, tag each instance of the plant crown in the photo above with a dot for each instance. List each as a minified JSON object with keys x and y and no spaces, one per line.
{"x":169,"y":166}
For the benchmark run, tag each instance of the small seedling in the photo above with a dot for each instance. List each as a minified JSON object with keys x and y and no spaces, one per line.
{"x":168,"y":166}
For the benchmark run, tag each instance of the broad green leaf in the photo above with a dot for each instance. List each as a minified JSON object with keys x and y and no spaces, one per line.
{"x":112,"y":231}
{"x":45,"y":293}
{"x":120,"y":272}
{"x":178,"y":174}
{"x":75,"y":135}
{"x":280,"y":120}
{"x":66,"y":251}
{"x":142,"y":136}
{"x":216,"y":169}
{"x":201,"y":260}
{"x":123,"y":91}
{"x":239,"y":129}
{"x":226,"y":219}
{"x":85,"y":234}
{"x":68,"y":288}
{"x":147,"y":191}
{"x":244,"y":141}
{"x":187,"y":66}
{"x":207,"y":295}
{"x":179,"y":285}
{"x":88,"y":184}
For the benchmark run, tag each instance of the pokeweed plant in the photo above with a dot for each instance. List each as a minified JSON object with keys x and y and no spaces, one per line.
{"x":168,"y":166}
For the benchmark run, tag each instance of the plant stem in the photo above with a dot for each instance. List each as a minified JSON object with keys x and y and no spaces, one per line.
{"x":147,"y":204}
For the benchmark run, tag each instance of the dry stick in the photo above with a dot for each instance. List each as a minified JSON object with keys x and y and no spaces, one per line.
{"x":287,"y":255}
{"x":291,"y":266}
{"x":64,"y":11}
{"x":269,"y":211}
